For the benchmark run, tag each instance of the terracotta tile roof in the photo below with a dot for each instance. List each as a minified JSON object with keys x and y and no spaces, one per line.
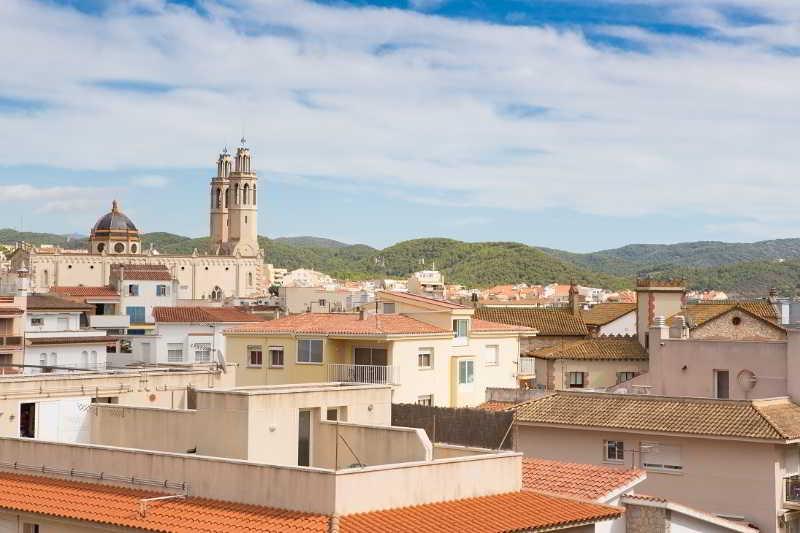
{"x":589,"y":482}
{"x":342,"y":324}
{"x":484,"y":325}
{"x":114,"y":506}
{"x":420,"y":299}
{"x":773,"y":419}
{"x":605,"y":313}
{"x":48,"y":302}
{"x":512,"y":512}
{"x":546,"y":320}
{"x":85,"y":291}
{"x":598,"y":349}
{"x":698,"y":314}
{"x":497,"y":406}
{"x":11,"y":311}
{"x":141,"y":272}
{"x":203,"y":314}
{"x":47,"y":341}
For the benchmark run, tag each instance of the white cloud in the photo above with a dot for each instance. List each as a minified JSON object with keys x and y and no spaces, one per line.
{"x":55,"y":199}
{"x":404,"y":101}
{"x":150,"y":182}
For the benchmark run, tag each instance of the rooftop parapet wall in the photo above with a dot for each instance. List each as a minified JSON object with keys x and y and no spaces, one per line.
{"x":310,"y":490}
{"x":653,"y":283}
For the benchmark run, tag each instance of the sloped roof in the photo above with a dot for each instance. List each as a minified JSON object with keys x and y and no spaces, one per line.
{"x":774,"y":419}
{"x":698,"y":314}
{"x":479,"y":325}
{"x":115,"y":506}
{"x":598,"y":349}
{"x":497,"y":407}
{"x":548,"y":321}
{"x":605,"y":313}
{"x":48,"y":302}
{"x":85,"y":291}
{"x":203,"y":314}
{"x":141,"y":272}
{"x":415,"y":298}
{"x":503,"y":513}
{"x":342,"y":324}
{"x":589,"y":482}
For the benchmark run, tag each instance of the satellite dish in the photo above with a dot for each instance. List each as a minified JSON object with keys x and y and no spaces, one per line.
{"x":221,"y":361}
{"x":746,"y":379}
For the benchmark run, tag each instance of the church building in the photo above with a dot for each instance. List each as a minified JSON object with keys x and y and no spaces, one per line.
{"x":232,"y":266}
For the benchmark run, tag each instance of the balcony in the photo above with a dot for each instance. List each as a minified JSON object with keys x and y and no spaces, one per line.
{"x":110,"y":321}
{"x":11,"y":342}
{"x":526,"y":366}
{"x":377,"y":374}
{"x":792,"y":494}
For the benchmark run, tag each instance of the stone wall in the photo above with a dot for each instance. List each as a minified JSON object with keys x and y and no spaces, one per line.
{"x":737,"y":325}
{"x":641,"y":519}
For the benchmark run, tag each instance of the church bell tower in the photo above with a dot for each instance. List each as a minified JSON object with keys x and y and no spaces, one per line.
{"x":220,"y":200}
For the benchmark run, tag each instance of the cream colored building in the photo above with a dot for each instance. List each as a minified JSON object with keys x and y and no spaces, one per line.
{"x":232,"y":266}
{"x":431,"y":351}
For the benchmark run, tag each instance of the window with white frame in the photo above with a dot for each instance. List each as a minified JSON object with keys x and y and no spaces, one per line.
{"x":625,"y":376}
{"x":460,"y":327}
{"x":663,"y":457}
{"x":162,"y":290}
{"x":576,"y":380}
{"x":389,"y":308}
{"x":614,"y":451}
{"x":175,"y":352}
{"x":254,"y":356}
{"x":491,"y":354}
{"x":309,"y":351}
{"x":466,"y":372}
{"x":425,"y":358}
{"x":426,"y":400}
{"x":133,"y":290}
{"x":276,"y":356}
{"x":37,"y":321}
{"x":202,"y":353}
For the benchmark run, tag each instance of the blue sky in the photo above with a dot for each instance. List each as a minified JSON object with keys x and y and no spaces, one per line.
{"x":571,"y":124}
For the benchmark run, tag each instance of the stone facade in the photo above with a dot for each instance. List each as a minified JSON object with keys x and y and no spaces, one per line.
{"x":641,"y":519}
{"x":737,"y":325}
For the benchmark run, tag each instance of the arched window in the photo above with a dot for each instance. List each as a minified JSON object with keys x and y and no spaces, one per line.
{"x":134,"y":248}
{"x":254,"y":195}
{"x":53,"y":359}
{"x":249,"y":279}
{"x":84,"y":359}
{"x":246,"y":194}
{"x":100,"y":247}
{"x":93,"y":360}
{"x":216,"y":294}
{"x":236,"y":194}
{"x":42,"y":359}
{"x":219,"y":198}
{"x":46,"y":278}
{"x":227,"y":197}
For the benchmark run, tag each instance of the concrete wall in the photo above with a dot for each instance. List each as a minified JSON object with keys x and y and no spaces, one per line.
{"x":766,"y":359}
{"x":718,"y":476}
{"x":85,"y":356}
{"x":349,"y":445}
{"x":149,"y":428}
{"x":600,"y":374}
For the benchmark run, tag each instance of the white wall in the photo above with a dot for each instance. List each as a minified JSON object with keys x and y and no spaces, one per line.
{"x":624,"y":325}
{"x":53,"y":322}
{"x":188,"y":335}
{"x":147,"y":296}
{"x":91,"y":356}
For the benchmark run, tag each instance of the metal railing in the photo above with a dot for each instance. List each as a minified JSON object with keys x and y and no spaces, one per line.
{"x":792,"y":494}
{"x":378,"y":374}
{"x":11,"y":341}
{"x":526,"y":366}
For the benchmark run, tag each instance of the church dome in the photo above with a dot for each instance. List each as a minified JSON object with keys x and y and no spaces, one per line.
{"x":114,"y":222}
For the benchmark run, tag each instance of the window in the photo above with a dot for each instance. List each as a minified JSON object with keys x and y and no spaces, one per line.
{"x":466,"y":372}
{"x":249,"y":279}
{"x":492,"y":354}
{"x":625,"y":376}
{"x":119,"y":247}
{"x":425,"y":358}
{"x":37,"y":322}
{"x":662,"y":457}
{"x":254,"y":356}
{"x":134,"y":248}
{"x":133,"y":290}
{"x":101,"y":247}
{"x":322,"y":302}
{"x":63,"y":323}
{"x":309,"y":351}
{"x":426,"y":400}
{"x":202,"y":353}
{"x":389,"y":308}
{"x":614,"y":451}
{"x":371,"y":356}
{"x":722,"y":384}
{"x":174,"y":352}
{"x":136,"y":313}
{"x":577,"y":380}
{"x":332,"y":414}
{"x":276,"y":356}
{"x":736,"y":320}
{"x":30,"y":528}
{"x":460,"y":327}
{"x":162,"y":290}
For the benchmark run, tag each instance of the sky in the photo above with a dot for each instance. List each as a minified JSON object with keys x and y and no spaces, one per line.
{"x":573,"y":124}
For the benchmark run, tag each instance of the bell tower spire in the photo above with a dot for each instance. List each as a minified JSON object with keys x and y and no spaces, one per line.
{"x":243,"y":208}
{"x":220,"y":199}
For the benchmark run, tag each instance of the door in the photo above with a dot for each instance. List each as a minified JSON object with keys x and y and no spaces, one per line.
{"x":371,"y":356}
{"x":27,"y":420}
{"x":304,"y":439}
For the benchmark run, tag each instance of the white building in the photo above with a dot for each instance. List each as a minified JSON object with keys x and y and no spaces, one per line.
{"x":188,"y":334}
{"x":56,"y":339}
{"x":142,"y":288}
{"x":304,"y":277}
{"x":429,"y":283}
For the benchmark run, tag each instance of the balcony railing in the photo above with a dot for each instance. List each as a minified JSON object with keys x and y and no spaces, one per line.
{"x":526,"y":366}
{"x":378,"y":374}
{"x":792,"y":495}
{"x":11,"y":341}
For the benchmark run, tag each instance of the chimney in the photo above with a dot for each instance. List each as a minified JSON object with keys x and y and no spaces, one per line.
{"x":574,"y":304}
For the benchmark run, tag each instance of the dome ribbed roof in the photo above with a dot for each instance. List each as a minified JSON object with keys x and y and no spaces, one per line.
{"x":114,"y":222}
